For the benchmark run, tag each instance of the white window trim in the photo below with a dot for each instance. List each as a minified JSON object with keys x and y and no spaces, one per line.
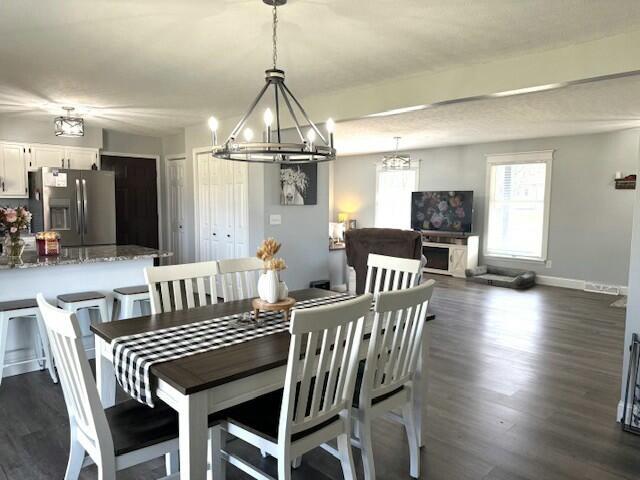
{"x":542,"y":156}
{"x":415,"y":165}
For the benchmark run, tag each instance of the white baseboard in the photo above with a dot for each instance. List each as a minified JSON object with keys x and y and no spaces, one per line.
{"x":571,"y":283}
{"x":549,"y":281}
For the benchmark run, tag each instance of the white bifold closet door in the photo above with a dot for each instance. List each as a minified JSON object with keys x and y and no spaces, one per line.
{"x":222,"y":208}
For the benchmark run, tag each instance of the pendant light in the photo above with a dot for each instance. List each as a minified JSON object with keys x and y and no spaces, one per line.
{"x":68,"y":126}
{"x":312,"y":147}
{"x":396,"y":161}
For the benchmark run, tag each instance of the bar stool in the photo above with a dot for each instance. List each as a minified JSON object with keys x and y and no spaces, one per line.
{"x":25,"y":308}
{"x":73,"y":302}
{"x":125,"y":298}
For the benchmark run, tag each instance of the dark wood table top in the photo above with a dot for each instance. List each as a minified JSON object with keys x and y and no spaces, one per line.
{"x":206,"y":370}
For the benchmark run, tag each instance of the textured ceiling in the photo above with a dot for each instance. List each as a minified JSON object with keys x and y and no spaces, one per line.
{"x":154,"y":65}
{"x":592,"y":107}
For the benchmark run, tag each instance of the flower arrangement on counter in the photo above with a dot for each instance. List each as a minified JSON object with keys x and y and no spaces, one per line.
{"x":13,"y":221}
{"x":267,"y":253}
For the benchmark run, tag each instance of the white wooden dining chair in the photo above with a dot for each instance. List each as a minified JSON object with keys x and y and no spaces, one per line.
{"x":175,"y":287}
{"x":239,"y":277}
{"x":315,"y":404}
{"x":116,"y":438}
{"x":386,"y":273}
{"x":386,"y":382}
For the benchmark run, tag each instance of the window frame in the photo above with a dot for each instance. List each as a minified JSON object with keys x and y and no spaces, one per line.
{"x":542,"y":156}
{"x":414,"y":166}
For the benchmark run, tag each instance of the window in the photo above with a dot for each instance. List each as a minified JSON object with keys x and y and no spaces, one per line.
{"x":518,"y":187}
{"x":393,"y":197}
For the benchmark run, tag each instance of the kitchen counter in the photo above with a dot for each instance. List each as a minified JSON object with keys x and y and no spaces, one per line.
{"x":76,"y":269}
{"x":81,"y":255}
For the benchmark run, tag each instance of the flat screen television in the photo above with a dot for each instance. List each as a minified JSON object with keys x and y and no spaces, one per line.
{"x":442,"y":211}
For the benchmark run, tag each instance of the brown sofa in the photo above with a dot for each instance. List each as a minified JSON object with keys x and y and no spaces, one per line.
{"x":383,"y":241}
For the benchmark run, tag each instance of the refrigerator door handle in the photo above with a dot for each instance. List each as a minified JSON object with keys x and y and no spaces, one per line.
{"x":84,"y":199}
{"x":78,"y":207}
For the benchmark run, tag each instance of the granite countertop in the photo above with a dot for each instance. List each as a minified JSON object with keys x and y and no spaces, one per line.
{"x":78,"y":255}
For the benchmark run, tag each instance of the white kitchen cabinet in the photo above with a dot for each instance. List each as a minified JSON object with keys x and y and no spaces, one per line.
{"x":13,"y":171}
{"x":81,"y":158}
{"x":222,"y":210}
{"x":58,"y":156}
{"x":46,"y":156}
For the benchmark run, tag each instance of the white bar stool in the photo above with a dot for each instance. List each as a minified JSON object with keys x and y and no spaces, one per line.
{"x":125,"y":298}
{"x":19,"y":309}
{"x":73,"y":302}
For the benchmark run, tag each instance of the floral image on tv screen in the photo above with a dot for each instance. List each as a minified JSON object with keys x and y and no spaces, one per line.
{"x":443,"y":211}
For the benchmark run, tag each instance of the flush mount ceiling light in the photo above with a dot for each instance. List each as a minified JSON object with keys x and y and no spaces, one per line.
{"x":313,"y":146}
{"x":68,"y":126}
{"x":396,"y":161}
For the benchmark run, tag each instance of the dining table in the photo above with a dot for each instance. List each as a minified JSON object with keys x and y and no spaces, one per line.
{"x":198,"y":385}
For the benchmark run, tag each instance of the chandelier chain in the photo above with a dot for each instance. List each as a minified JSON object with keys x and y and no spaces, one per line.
{"x":275,"y":35}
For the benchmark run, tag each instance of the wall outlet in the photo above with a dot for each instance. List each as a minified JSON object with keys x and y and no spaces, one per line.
{"x":548,"y":264}
{"x":275,"y":219}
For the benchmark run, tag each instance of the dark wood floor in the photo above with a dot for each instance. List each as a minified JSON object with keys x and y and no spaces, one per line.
{"x":523,"y":385}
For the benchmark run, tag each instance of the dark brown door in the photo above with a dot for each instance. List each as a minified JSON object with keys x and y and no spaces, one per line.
{"x":136,"y":199}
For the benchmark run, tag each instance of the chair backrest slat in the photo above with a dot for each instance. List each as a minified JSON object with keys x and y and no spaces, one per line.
{"x":188,"y":288}
{"x":391,"y":273}
{"x":325,"y":352}
{"x":329,"y":336}
{"x":396,"y":338}
{"x":239,"y":277}
{"x":171,"y":286}
{"x":78,"y":385}
{"x":334,"y":366}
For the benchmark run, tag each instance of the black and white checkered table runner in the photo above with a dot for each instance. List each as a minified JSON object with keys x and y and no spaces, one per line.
{"x":133,"y":355}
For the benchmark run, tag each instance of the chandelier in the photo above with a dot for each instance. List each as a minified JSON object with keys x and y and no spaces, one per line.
{"x":396,"y":161}
{"x":313,"y":146}
{"x":68,"y":126}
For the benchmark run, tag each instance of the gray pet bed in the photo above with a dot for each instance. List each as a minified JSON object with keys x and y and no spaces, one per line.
{"x":502,"y":277}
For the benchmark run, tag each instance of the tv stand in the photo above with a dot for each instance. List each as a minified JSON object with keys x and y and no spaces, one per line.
{"x":450,"y":253}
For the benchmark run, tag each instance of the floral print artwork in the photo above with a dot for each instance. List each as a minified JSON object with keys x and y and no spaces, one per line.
{"x":446,"y":211}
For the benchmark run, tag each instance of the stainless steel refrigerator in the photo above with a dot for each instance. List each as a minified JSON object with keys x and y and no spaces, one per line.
{"x":78,"y":204}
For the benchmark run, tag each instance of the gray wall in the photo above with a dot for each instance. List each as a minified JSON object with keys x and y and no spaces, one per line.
{"x":633,"y":305}
{"x":120,"y":142}
{"x":173,"y":144}
{"x":304,"y":230}
{"x":590,"y":222}
{"x":16,"y":129}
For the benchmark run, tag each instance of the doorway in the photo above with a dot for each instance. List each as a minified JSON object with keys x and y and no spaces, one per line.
{"x":136,"y":199}
{"x":176,"y":167}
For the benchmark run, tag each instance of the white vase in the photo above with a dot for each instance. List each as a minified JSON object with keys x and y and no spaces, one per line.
{"x":269,"y":286}
{"x":284,"y":291}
